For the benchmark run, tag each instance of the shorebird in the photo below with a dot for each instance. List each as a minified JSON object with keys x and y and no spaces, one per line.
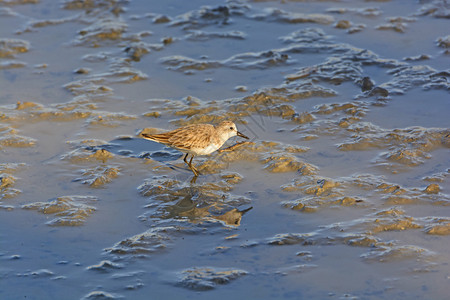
{"x":197,"y":139}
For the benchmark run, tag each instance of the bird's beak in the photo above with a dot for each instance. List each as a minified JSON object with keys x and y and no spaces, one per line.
{"x":241,"y":135}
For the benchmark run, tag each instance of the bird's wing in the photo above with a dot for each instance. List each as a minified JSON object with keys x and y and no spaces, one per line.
{"x":193,"y":136}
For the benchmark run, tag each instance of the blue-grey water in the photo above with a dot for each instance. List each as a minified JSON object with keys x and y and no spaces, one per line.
{"x":342,"y":192}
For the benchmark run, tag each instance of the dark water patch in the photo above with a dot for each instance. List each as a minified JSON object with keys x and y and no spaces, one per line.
{"x":427,"y":109}
{"x":141,"y":148}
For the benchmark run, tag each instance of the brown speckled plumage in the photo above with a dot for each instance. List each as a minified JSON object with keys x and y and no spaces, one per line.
{"x":197,"y":139}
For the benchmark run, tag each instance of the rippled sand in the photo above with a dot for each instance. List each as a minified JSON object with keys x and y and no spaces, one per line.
{"x":342,"y":191}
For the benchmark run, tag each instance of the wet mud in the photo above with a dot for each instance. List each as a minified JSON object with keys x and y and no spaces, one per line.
{"x":342,"y":190}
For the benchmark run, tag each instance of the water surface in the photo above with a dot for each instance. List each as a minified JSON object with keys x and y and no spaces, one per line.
{"x":342,"y":192}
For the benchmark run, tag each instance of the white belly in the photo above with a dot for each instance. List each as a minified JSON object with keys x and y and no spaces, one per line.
{"x":205,"y":151}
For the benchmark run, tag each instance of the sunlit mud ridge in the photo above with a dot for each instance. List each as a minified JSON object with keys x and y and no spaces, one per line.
{"x":9,"y":137}
{"x":9,"y":50}
{"x":271,"y":102}
{"x":98,"y":166}
{"x":98,"y":176}
{"x":7,"y":182}
{"x":362,"y":233}
{"x":79,"y":108}
{"x":142,"y":245}
{"x":407,"y":147}
{"x":398,"y":24}
{"x":361,"y":190}
{"x":66,"y":210}
{"x":10,"y":47}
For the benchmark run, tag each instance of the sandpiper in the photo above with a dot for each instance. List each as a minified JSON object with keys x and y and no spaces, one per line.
{"x":197,"y":139}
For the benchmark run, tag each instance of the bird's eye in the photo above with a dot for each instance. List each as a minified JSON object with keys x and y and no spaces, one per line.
{"x":231,"y":128}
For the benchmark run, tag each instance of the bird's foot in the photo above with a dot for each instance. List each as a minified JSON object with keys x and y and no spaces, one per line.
{"x":194,"y":170}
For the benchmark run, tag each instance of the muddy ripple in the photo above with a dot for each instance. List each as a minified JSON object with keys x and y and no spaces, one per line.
{"x":101,"y":31}
{"x":361,"y":233}
{"x":279,"y":15}
{"x":98,"y":176}
{"x":68,"y":210}
{"x":207,"y":278}
{"x":7,"y":182}
{"x":436,"y":8}
{"x":322,"y":192}
{"x":245,"y":61}
{"x":79,"y":108}
{"x":9,"y":48}
{"x":407,"y":147}
{"x":220,"y":15}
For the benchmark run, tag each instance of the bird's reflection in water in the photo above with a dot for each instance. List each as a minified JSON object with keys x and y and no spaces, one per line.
{"x":203,"y":203}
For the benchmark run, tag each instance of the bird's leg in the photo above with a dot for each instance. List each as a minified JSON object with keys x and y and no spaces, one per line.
{"x":193,"y":169}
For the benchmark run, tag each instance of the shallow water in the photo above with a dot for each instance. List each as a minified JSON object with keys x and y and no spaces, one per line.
{"x":342,"y":192}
